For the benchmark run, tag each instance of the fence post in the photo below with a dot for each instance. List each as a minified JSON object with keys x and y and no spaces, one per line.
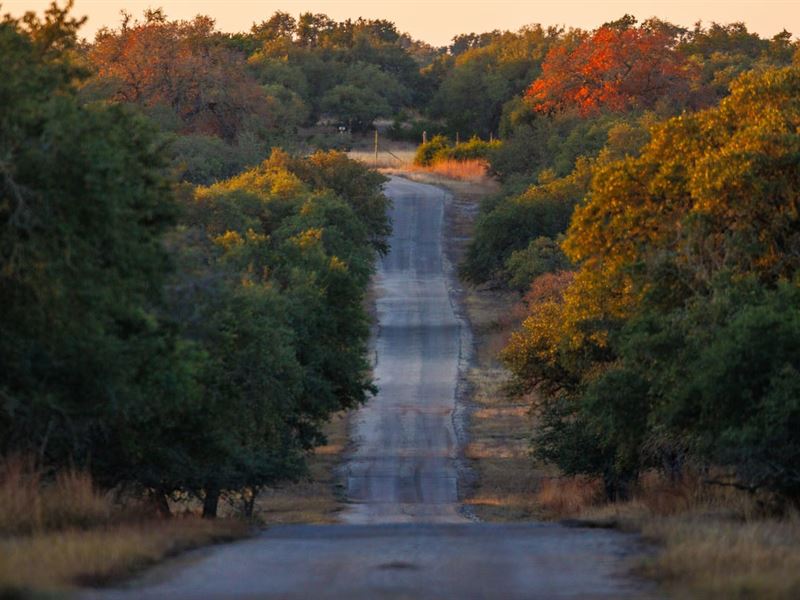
{"x":376,"y":148}
{"x":424,"y":137}
{"x":457,"y":139}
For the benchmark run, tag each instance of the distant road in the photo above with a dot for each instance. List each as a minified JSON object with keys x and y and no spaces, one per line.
{"x":403,"y":469}
{"x":404,"y":537}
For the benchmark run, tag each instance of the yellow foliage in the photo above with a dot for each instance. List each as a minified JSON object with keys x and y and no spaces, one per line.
{"x":229,"y":240}
{"x":337,"y":264}
{"x":308,"y":238}
{"x":713,"y":190}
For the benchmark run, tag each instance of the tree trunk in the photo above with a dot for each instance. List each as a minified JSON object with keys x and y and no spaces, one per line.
{"x":158,"y":497}
{"x":672,"y":463}
{"x":617,"y":487}
{"x":210,"y":503}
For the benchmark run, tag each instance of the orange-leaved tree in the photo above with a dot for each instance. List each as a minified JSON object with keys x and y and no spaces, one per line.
{"x":613,"y":68}
{"x":182,"y":67}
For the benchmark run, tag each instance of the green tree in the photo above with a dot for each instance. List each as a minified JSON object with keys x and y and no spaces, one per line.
{"x":355,"y":106}
{"x":91,"y":374}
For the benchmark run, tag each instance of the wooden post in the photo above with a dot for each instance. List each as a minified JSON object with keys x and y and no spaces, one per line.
{"x":376,"y":148}
{"x":424,"y":137}
{"x":491,"y":136}
{"x":457,"y":139}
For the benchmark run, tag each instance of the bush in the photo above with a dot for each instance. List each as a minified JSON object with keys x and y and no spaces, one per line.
{"x":474,"y":148}
{"x":510,"y":224}
{"x":428,"y":152}
{"x":543,"y":255}
{"x":439,"y":149}
{"x":204,"y":159}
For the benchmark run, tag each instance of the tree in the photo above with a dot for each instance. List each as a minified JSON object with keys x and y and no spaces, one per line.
{"x":675,"y":336}
{"x":510,"y":224}
{"x":355,"y":106}
{"x":542,"y":255}
{"x":177,"y":65}
{"x":280,"y":26}
{"x":92,"y":374}
{"x":615,"y":68}
{"x":476,"y":83}
{"x":275,"y":263}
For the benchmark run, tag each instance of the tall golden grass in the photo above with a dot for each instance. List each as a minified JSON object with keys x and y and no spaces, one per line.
{"x":565,"y":497}
{"x":29,"y":503}
{"x":709,"y":556}
{"x":61,"y":531}
{"x":461,"y":170}
{"x":68,"y":558}
{"x":714,"y":542}
{"x":653,"y":496}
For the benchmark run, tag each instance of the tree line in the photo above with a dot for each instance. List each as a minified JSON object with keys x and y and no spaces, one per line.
{"x":182,"y":299}
{"x":649,"y":218}
{"x":170,"y":338}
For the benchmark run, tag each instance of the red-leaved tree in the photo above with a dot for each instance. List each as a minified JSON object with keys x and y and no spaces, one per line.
{"x":613,"y":68}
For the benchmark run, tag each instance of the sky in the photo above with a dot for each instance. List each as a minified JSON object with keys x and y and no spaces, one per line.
{"x":437,"y":21}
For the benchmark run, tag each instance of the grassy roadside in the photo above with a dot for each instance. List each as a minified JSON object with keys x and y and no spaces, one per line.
{"x":61,"y":560}
{"x":710,"y":542}
{"x":64,"y":534}
{"x":58,"y":534}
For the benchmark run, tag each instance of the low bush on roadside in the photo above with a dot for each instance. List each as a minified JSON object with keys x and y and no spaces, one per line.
{"x":440,"y":149}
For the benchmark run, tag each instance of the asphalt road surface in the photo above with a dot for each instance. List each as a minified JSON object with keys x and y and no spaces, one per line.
{"x":403,"y":535}
{"x":403,"y":469}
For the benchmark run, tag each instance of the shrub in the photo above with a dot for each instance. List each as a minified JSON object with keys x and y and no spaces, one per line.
{"x":543,"y":255}
{"x":428,"y":152}
{"x":439,"y":149}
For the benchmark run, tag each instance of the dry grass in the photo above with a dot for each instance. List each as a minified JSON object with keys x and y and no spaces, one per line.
{"x":566,"y":497}
{"x":391,"y":155}
{"x":63,"y":559}
{"x":28,"y":504}
{"x":62,"y":532}
{"x":472,"y":170}
{"x":498,"y":450}
{"x":654,"y":496}
{"x":712,"y":542}
{"x":711,"y":557}
{"x":397,"y":159}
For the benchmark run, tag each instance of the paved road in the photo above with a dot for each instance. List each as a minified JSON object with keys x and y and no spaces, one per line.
{"x":404,"y":536}
{"x":403,"y":468}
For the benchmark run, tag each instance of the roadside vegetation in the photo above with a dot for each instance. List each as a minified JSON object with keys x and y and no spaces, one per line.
{"x":59,"y":532}
{"x":179,"y":347}
{"x":648,"y":239}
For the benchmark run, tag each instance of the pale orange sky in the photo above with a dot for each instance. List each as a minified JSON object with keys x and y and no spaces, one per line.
{"x":437,"y":21}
